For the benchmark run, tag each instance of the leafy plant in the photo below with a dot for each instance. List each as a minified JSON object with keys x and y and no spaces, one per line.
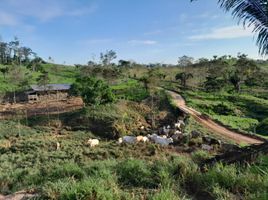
{"x":93,"y":91}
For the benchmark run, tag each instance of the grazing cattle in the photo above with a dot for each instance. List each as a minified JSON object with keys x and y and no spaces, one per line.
{"x":179,"y":124}
{"x":128,"y":139}
{"x":166,"y":130}
{"x":142,"y":139}
{"x":93,"y":142}
{"x":177,"y":132}
{"x":162,"y":141}
{"x":142,"y":128}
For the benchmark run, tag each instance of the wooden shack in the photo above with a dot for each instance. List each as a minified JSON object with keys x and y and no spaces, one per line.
{"x":50,"y":92}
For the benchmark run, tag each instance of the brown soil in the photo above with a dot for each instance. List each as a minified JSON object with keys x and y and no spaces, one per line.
{"x":18,"y":196}
{"x":8,"y":111}
{"x":210,"y":124}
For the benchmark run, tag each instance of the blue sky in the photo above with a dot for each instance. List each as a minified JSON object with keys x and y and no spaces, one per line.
{"x":147,"y":31}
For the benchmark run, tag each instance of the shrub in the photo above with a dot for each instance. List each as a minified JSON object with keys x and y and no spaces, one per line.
{"x":135,"y":173}
{"x":262,"y":127}
{"x":93,"y":91}
{"x":200,"y":156}
{"x":71,"y":170}
{"x":94,"y":188}
{"x":224,"y":109}
{"x":166,"y":194}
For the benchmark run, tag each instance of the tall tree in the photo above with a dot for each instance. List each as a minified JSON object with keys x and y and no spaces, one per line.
{"x":185,"y":61}
{"x":16,"y":77}
{"x":244,"y":69}
{"x":108,"y":57}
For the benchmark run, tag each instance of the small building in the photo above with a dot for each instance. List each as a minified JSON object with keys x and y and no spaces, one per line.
{"x":50,"y":92}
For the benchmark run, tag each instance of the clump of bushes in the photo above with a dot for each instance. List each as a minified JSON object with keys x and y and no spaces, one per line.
{"x":224,"y":109}
{"x":262,"y":127}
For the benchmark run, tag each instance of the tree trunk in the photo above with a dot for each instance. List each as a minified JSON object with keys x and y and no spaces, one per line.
{"x":238,"y":87}
{"x":14,"y":96}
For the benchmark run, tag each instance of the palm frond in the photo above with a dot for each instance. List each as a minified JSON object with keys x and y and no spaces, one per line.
{"x":252,"y":13}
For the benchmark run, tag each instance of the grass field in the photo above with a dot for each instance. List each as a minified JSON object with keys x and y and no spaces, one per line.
{"x":239,"y":111}
{"x":112,"y":171}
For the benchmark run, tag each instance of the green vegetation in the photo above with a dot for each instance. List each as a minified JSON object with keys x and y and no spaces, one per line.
{"x":50,"y":155}
{"x":242,"y":112}
{"x":92,"y":91}
{"x":112,"y":171}
{"x":262,"y":127}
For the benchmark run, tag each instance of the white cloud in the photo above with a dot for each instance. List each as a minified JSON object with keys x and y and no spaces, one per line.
{"x":229,"y":32}
{"x":142,"y":42}
{"x":47,"y":10}
{"x":7,"y":19}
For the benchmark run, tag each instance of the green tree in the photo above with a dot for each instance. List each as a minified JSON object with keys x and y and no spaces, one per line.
{"x":93,"y":91}
{"x":183,"y":77}
{"x":185,"y":61}
{"x":213,"y":84}
{"x":36,"y":64}
{"x":244,"y":69}
{"x":16,"y":77}
{"x":4,"y":71}
{"x":108,"y":57}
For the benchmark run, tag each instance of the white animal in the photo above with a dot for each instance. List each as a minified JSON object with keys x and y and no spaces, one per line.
{"x":120,"y":141}
{"x":162,"y":141}
{"x":177,"y":132}
{"x":151,"y":137}
{"x":163,"y":136}
{"x":179,"y":124}
{"x":166,"y":130}
{"x":57,"y":146}
{"x":93,"y":142}
{"x":128,"y":139}
{"x":142,"y":139}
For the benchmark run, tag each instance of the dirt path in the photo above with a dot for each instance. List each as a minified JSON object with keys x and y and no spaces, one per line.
{"x":18,"y":196}
{"x":210,"y":124}
{"x":9,"y":111}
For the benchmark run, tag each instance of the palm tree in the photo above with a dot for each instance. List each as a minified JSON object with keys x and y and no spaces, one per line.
{"x":251,"y":13}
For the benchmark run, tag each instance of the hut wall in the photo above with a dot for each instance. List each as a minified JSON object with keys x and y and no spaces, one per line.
{"x":53,"y":96}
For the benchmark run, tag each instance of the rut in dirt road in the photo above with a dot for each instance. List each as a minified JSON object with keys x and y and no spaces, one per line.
{"x":210,"y":124}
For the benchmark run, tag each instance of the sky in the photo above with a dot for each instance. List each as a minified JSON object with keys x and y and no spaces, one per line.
{"x":146,"y":31}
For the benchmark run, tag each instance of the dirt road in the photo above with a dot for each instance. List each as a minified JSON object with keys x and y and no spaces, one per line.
{"x":210,"y":124}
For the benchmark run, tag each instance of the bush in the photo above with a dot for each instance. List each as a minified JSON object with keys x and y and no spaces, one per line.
{"x":135,"y":173}
{"x":93,"y":188}
{"x":262,"y":127}
{"x":224,"y":109}
{"x":93,"y":91}
{"x":166,"y":194}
